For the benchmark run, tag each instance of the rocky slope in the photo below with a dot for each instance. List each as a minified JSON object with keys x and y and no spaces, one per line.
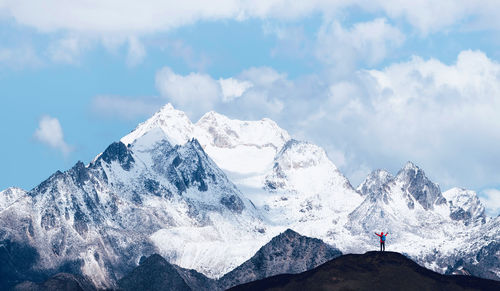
{"x":132,"y":201}
{"x":371,"y":271}
{"x":429,"y":226}
{"x":154,"y":273}
{"x":287,"y":253}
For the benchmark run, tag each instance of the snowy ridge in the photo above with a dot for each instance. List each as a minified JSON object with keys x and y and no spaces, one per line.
{"x":429,"y":226}
{"x":465,"y":205}
{"x":417,"y":186}
{"x":374,"y":182}
{"x":306,"y":192}
{"x":134,"y":201}
{"x":208,"y":195}
{"x":171,"y":121}
{"x":9,"y":196}
{"x":252,"y":143}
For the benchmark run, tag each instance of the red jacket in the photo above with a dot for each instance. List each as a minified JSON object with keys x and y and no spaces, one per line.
{"x":381,"y":234}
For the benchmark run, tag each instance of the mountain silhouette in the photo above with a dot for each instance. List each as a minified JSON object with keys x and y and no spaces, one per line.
{"x":370,"y":271}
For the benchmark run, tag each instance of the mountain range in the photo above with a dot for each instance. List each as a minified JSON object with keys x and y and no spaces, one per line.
{"x":209,"y":195}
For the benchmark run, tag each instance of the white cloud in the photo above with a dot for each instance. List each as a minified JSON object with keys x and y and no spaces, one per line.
{"x":369,"y":42}
{"x":149,"y":15}
{"x":196,"y":93}
{"x":136,"y":52}
{"x":68,"y":50}
{"x":50,"y":132}
{"x":233,"y":88}
{"x":430,"y":16}
{"x":443,"y":117}
{"x":125,"y":22}
{"x":125,"y":108}
{"x":143,"y":17}
{"x":253,"y":92}
{"x":491,"y":201}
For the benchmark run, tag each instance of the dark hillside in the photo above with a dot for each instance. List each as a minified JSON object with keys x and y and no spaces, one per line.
{"x":370,"y":271}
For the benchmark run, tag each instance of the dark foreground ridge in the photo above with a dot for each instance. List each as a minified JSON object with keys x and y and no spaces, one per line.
{"x":59,"y":282}
{"x":370,"y":271}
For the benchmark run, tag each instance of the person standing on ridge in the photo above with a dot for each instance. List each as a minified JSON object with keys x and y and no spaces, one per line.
{"x":382,"y":240}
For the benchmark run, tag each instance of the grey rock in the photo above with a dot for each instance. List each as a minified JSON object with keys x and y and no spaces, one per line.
{"x":286,"y":253}
{"x":155,"y":274}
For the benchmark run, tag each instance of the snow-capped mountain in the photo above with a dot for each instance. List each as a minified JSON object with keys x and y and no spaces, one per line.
{"x":430,"y":226}
{"x":148,"y":197}
{"x":418,"y":187}
{"x":375,"y":182}
{"x":208,"y":195}
{"x":306,"y":192}
{"x":465,"y":205}
{"x":293,"y":182}
{"x":252,"y":143}
{"x":409,"y":206}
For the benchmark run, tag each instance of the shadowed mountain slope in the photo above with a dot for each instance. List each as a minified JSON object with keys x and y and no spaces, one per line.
{"x":156,"y":273}
{"x":286,"y":253}
{"x":371,"y":271}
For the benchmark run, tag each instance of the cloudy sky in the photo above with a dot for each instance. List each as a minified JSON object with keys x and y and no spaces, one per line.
{"x":376,"y":83}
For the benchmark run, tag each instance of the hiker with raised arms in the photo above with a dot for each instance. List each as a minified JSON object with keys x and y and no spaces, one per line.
{"x":382,"y":240}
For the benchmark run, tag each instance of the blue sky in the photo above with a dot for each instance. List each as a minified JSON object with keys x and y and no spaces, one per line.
{"x":376,"y":83}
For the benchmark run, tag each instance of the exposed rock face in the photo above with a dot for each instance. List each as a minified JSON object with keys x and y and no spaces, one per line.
{"x":155,"y":274}
{"x":414,"y":182}
{"x":375,"y":182}
{"x":197,"y":281}
{"x":415,"y":212}
{"x":480,"y":255}
{"x":465,"y":206}
{"x":287,"y":253}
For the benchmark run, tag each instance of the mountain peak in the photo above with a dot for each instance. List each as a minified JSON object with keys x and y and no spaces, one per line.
{"x":223,"y":132}
{"x":410,"y":166}
{"x":167,"y":106}
{"x":413,"y":181}
{"x":301,"y":154}
{"x":212,"y":116}
{"x":287,"y":253}
{"x":173,"y":122}
{"x":465,"y":205}
{"x":374,"y":182}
